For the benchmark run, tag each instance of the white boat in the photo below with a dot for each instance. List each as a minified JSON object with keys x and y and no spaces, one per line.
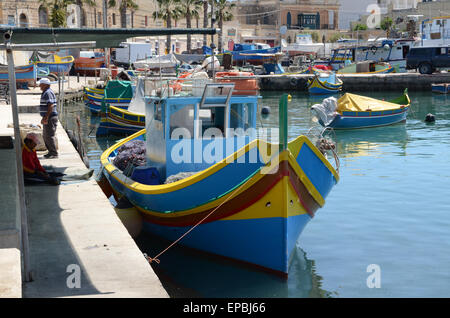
{"x":156,"y":62}
{"x":435,"y":32}
{"x":303,"y":45}
{"x":392,"y":51}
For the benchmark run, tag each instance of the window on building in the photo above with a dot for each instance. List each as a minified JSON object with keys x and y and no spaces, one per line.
{"x":23,"y":20}
{"x":11,"y":20}
{"x":114,"y":19}
{"x":99,"y":18}
{"x":83,"y":18}
{"x":43,"y":16}
{"x":146,"y":21}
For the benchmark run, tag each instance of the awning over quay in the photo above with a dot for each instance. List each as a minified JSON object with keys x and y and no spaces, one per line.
{"x":102,"y":37}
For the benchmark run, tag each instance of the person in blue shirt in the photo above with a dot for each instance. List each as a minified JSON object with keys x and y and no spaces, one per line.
{"x":47,"y":110}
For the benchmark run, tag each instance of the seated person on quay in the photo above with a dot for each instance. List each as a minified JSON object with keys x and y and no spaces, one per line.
{"x":32,"y":170}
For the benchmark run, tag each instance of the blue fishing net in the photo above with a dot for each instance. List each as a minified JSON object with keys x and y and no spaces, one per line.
{"x":133,"y":152}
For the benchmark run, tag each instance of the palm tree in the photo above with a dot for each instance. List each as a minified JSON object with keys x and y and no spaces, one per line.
{"x":189,"y":9}
{"x":223,"y":12}
{"x":167,"y":11}
{"x":123,"y":6}
{"x":205,"y":20}
{"x":58,"y":13}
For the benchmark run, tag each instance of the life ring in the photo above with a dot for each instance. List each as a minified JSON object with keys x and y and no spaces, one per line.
{"x":293,"y":81}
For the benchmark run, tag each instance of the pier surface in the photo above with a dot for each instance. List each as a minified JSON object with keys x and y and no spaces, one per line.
{"x":78,"y":245}
{"x":357,"y":82}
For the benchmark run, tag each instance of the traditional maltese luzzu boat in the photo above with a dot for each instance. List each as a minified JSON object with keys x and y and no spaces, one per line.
{"x":356,"y":111}
{"x":237,"y":196}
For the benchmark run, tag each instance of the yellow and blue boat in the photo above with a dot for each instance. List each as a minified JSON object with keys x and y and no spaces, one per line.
{"x":58,"y":65}
{"x":116,"y":120}
{"x":245,"y":199}
{"x":324,"y":83}
{"x":116,"y":93}
{"x":356,"y":111}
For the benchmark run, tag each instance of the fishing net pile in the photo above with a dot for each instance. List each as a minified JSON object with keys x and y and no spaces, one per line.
{"x":179,"y":176}
{"x":131,"y":152}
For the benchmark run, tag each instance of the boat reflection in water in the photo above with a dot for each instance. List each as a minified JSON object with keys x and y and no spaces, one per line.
{"x":185,"y":272}
{"x":369,"y":142}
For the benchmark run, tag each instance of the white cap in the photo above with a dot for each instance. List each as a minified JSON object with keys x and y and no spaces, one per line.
{"x":44,"y":80}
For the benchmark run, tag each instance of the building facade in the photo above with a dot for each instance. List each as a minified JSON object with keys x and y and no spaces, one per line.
{"x":30,"y":13}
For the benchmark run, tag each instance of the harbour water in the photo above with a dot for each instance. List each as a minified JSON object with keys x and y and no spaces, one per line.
{"x":389,"y":212}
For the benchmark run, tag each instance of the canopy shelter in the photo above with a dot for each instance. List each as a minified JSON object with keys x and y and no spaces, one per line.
{"x":103,"y":37}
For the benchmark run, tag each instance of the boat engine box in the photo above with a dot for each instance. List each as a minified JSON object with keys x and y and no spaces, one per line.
{"x":146,"y":175}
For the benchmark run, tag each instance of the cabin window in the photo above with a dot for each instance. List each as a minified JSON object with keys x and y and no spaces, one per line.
{"x":241,"y":116}
{"x":158,"y":112}
{"x":181,"y":121}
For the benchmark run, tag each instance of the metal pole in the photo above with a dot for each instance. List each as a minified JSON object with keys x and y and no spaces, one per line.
{"x":283,"y":122}
{"x":19,"y":164}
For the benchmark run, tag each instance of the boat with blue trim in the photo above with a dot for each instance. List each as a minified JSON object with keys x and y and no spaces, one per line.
{"x":57,"y":64}
{"x":24,"y":74}
{"x":116,"y":120}
{"x":356,"y":111}
{"x":443,"y":88}
{"x":324,"y":83}
{"x":116,"y":93}
{"x":210,"y":182}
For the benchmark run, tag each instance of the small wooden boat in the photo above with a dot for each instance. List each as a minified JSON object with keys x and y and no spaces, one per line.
{"x":356,"y":111}
{"x":324,"y":83}
{"x":24,"y":74}
{"x":117,"y":93}
{"x":229,"y":203}
{"x":58,"y":65}
{"x":440,"y":88}
{"x":88,"y":63}
{"x":245,"y":83}
{"x":122,"y":121}
{"x":367,"y":67}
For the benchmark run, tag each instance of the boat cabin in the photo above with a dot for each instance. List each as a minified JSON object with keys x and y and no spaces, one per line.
{"x":191,"y":133}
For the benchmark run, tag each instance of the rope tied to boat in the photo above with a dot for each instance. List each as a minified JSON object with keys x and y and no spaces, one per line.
{"x":156,"y":260}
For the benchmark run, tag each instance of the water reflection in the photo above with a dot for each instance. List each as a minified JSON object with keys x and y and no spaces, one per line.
{"x":188,"y":273}
{"x":368,"y":142}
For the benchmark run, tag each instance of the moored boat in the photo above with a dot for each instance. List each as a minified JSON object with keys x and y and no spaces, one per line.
{"x":232,"y":191}
{"x":443,"y":88}
{"x":24,"y":74}
{"x":116,"y":120}
{"x":58,"y":64}
{"x":117,"y":93}
{"x":356,"y":111}
{"x":324,"y":83}
{"x":367,"y":67}
{"x":88,"y":63}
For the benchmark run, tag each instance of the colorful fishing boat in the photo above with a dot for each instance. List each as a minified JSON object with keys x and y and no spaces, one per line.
{"x":121,"y":121}
{"x":240,"y":188}
{"x":24,"y":74}
{"x":324,"y":83}
{"x":117,"y":93}
{"x":367,"y":67}
{"x":251,"y":53}
{"x":88,"y":62}
{"x":356,"y":111}
{"x":58,"y":65}
{"x":440,"y":88}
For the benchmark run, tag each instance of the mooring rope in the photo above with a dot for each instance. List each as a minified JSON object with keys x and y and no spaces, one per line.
{"x":155,"y":259}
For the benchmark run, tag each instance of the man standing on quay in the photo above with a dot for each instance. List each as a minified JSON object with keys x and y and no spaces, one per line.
{"x":49,"y":114}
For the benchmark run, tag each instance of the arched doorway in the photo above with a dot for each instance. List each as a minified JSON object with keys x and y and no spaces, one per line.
{"x":43,"y":16}
{"x":288,"y":20}
{"x":23,"y":20}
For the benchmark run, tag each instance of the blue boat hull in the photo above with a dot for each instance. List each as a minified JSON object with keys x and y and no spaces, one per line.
{"x":351,"y":122}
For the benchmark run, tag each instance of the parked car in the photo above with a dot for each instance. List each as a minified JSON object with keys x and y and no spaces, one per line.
{"x":428,"y":59}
